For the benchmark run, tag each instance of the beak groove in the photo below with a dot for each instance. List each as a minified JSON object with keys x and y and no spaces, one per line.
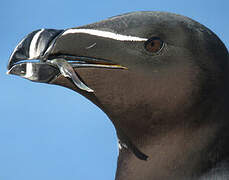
{"x":33,"y":46}
{"x":33,"y":59}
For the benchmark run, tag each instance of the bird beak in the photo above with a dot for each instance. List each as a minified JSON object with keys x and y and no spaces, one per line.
{"x":27,"y":59}
{"x":37,"y":72}
{"x":33,"y":46}
{"x":34,"y":59}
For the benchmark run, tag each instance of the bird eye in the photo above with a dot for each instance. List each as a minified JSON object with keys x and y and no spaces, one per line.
{"x":154,"y":44}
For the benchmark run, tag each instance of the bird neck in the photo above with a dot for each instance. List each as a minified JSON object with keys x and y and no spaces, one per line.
{"x":182,"y":129}
{"x":179,"y":154}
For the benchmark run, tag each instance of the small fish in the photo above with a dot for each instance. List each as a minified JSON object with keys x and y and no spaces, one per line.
{"x":67,"y":71}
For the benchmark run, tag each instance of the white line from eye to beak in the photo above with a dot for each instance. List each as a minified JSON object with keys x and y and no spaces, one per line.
{"x":33,"y":46}
{"x":104,"y":34}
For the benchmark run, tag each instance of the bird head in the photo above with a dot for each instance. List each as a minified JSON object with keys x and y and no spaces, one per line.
{"x":149,"y":71}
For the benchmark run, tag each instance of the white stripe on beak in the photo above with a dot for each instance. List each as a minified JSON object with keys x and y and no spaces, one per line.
{"x":29,"y":70}
{"x":33,"y":46}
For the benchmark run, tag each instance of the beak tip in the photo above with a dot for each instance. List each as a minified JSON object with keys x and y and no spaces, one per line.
{"x":8,"y":72}
{"x":10,"y":69}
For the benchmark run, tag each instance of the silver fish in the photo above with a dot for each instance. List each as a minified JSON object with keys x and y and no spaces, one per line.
{"x":67,"y":71}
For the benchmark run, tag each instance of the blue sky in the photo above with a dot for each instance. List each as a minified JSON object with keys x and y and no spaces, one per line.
{"x":50,"y":132}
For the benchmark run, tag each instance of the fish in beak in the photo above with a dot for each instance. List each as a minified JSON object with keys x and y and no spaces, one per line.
{"x":33,"y":59}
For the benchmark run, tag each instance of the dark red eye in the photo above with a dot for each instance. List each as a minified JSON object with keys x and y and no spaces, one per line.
{"x":154,"y":45}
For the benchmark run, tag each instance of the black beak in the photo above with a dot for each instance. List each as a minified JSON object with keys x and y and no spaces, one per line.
{"x":34,"y":46}
{"x":34,"y":58}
